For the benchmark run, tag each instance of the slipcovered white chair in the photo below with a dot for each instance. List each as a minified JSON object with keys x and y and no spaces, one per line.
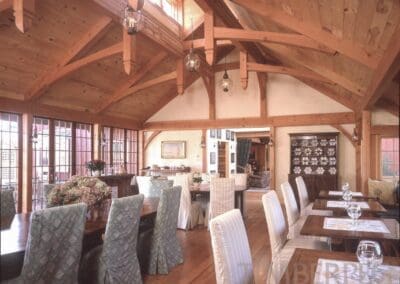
{"x":54,"y":245}
{"x":222,"y":197}
{"x":116,"y":260}
{"x":282,"y":249}
{"x":144,"y":184}
{"x":231,"y":250}
{"x":7,"y":203}
{"x":190,"y":213}
{"x":166,"y":251}
{"x":241,"y":181}
{"x":305,"y":204}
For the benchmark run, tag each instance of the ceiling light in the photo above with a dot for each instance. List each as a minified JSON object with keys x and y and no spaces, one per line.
{"x":133,"y":20}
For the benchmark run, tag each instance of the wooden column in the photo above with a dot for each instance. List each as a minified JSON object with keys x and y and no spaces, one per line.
{"x":141,"y":154}
{"x":272,"y":158}
{"x":20,"y":165}
{"x":27,"y":119}
{"x":365,"y":151}
{"x":204,"y":150}
{"x":97,"y":141}
{"x":262,"y":84}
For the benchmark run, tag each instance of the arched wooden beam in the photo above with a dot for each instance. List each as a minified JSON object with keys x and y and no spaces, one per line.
{"x":345,"y":133}
{"x":152,"y":136}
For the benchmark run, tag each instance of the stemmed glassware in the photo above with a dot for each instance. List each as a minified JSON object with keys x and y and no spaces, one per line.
{"x":370,"y":256}
{"x":354,"y":212}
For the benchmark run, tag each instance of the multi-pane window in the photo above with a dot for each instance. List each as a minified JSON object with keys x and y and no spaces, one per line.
{"x":172,"y":8}
{"x":83,"y":147}
{"x":131,"y":151}
{"x":105,"y":145}
{"x":389,"y":157}
{"x":62,"y":150}
{"x":40,"y":161}
{"x":118,"y":148}
{"x":9,"y":148}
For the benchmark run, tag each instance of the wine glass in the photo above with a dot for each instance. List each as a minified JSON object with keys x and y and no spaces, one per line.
{"x":347,"y":196}
{"x":345,"y":186}
{"x":370,"y":256}
{"x":354,"y":212}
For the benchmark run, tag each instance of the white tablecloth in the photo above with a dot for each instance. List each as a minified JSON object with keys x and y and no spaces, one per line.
{"x":335,"y":271}
{"x":343,"y":204}
{"x":375,"y":226}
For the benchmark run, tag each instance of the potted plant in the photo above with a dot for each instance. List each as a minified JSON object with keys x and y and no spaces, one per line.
{"x":196,"y":179}
{"x":96,"y":166}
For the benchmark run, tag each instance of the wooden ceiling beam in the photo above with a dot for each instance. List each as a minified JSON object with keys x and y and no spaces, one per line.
{"x":93,"y":34}
{"x":387,"y":70}
{"x":129,"y":52}
{"x":343,"y":46}
{"x":24,"y":12}
{"x":6,"y":4}
{"x":200,"y":43}
{"x":228,"y":66}
{"x":197,"y":25}
{"x":120,"y":92}
{"x":264,"y":36}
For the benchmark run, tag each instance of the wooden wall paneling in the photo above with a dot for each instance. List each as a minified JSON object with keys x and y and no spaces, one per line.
{"x":24,"y":13}
{"x":365,"y":151}
{"x":129,"y":51}
{"x":93,"y":34}
{"x":27,"y":160}
{"x":262,"y":85}
{"x":271,"y":161}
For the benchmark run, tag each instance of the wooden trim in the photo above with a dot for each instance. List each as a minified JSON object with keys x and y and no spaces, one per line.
{"x":24,"y":13}
{"x":344,"y":132}
{"x":120,"y":92}
{"x":256,"y":134}
{"x":243,"y":69}
{"x":385,"y":130}
{"x":49,"y":111}
{"x":273,"y":37}
{"x":93,"y":35}
{"x":262,"y":85}
{"x":286,"y":70}
{"x":129,"y":51}
{"x":277,"y":121}
{"x":272,"y":162}
{"x":27,"y":162}
{"x":152,"y":136}
{"x":343,"y":46}
{"x":365,"y":151}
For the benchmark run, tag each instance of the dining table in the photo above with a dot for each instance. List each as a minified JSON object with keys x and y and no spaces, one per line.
{"x":385,"y":231}
{"x":303,"y":266}
{"x":15,"y":230}
{"x":338,"y":195}
{"x":204,"y":189}
{"x":338,"y":207}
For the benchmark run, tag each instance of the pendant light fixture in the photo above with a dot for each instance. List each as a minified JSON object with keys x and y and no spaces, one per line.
{"x":132,"y":20}
{"x":226,"y":82}
{"x":192,"y":60}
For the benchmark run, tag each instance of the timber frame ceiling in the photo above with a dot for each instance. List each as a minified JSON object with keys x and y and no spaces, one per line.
{"x":72,"y":55}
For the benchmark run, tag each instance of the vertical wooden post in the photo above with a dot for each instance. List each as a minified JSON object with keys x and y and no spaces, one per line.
{"x":272,"y":157}
{"x":27,"y":119}
{"x":180,"y":71}
{"x":211,"y":91}
{"x":97,"y":141}
{"x":204,"y":150}
{"x":243,"y":69}
{"x":209,"y":37}
{"x":141,"y":153}
{"x":365,"y":151}
{"x":262,"y":84}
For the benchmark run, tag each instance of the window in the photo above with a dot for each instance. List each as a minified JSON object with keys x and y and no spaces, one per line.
{"x":40,"y":162}
{"x":105,"y":148}
{"x":118,"y":147}
{"x":389,"y":157}
{"x":131,"y":151}
{"x":83,"y":147}
{"x":172,"y":8}
{"x":10,"y":125}
{"x":62,"y":150}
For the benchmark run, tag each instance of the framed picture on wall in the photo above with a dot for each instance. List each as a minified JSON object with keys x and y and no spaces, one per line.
{"x":212,"y":133}
{"x":228,"y":135}
{"x":212,"y":158}
{"x":232,"y":157}
{"x":232,"y":136}
{"x":219,"y":133}
{"x":173,"y":149}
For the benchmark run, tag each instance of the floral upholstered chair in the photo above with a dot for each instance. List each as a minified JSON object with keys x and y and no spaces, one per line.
{"x":166,"y":251}
{"x":116,"y":260}
{"x":7,"y":205}
{"x":54,"y":246}
{"x":157,"y":186}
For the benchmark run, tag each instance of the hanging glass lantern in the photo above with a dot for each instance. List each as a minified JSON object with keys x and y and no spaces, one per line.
{"x":192,"y":61}
{"x":132,"y":21}
{"x":226,"y":82}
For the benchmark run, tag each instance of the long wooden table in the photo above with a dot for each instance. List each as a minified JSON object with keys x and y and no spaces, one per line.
{"x":204,"y":189}
{"x":374,"y":206}
{"x":14,"y":234}
{"x":303,"y":264}
{"x":324,"y":194}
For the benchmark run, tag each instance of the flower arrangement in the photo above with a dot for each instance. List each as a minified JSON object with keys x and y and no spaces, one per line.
{"x":197,"y":178}
{"x":89,"y":190}
{"x":95,"y":165}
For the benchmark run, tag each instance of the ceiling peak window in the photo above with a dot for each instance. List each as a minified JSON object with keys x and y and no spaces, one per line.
{"x":172,"y":8}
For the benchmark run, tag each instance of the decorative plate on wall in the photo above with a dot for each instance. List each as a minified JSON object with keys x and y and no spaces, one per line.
{"x":297,"y":170}
{"x":314,"y":161}
{"x":297,"y":151}
{"x":320,"y":170}
{"x":314,"y":143}
{"x":307,"y":151}
{"x":332,"y":161}
{"x":318,"y":151}
{"x":323,"y":161}
{"x":323,"y":142}
{"x":332,"y":142}
{"x":296,"y":161}
{"x":294,"y":143}
{"x":304,"y":143}
{"x":331,"y":152}
{"x":307,"y":170}
{"x":332,"y":170}
{"x":305,"y":161}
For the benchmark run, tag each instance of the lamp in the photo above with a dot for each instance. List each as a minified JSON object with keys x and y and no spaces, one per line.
{"x":132,"y":21}
{"x":270,"y":142}
{"x":192,"y":60}
{"x":226,"y":82}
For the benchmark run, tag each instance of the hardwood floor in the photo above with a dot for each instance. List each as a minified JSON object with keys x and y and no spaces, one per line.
{"x":198,"y":266}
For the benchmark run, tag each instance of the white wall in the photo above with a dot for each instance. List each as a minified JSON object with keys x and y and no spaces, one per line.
{"x":381,"y":117}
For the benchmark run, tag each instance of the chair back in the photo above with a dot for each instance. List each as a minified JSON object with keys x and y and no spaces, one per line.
{"x":240,"y":179}
{"x":206,"y":177}
{"x":144,"y":183}
{"x":231,"y":250}
{"x":54,"y":245}
{"x":303,"y":194}
{"x":7,"y":203}
{"x":276,"y":223}
{"x":185,"y":202}
{"x":222,"y":196}
{"x":292,"y":212}
{"x":120,"y":240}
{"x":158,"y":185}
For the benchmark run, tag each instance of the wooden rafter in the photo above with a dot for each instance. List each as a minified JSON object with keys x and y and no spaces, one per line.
{"x":5,"y":4}
{"x":24,"y":12}
{"x":387,"y":70}
{"x":347,"y":134}
{"x":200,"y":43}
{"x":121,"y":91}
{"x":264,"y":36}
{"x":198,"y":24}
{"x":129,"y":51}
{"x":343,"y":46}
{"x":227,"y":66}
{"x":94,"y":33}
